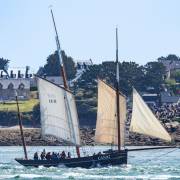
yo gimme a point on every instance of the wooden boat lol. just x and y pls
(108, 158)
(59, 118)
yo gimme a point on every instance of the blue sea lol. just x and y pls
(151, 164)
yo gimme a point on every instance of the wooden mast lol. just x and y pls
(60, 55)
(21, 129)
(117, 92)
(63, 73)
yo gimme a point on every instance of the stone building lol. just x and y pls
(14, 82)
(171, 66)
(8, 88)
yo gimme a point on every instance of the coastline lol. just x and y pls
(11, 137)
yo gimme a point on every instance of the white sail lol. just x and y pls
(144, 121)
(106, 125)
(58, 112)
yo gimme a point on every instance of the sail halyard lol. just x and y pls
(143, 121)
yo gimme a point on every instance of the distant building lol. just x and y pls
(84, 64)
(55, 79)
(151, 99)
(166, 98)
(15, 80)
(171, 100)
(170, 65)
(8, 88)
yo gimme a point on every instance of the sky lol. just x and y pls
(147, 30)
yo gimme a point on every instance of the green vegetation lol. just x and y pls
(149, 76)
(170, 57)
(170, 82)
(4, 64)
(176, 75)
(52, 67)
(24, 106)
(131, 74)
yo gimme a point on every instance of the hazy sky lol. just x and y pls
(147, 29)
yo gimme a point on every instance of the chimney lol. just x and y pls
(11, 74)
(19, 74)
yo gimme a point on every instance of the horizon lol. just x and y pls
(147, 30)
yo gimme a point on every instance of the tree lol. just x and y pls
(154, 72)
(176, 75)
(69, 66)
(36, 115)
(4, 65)
(131, 74)
(52, 67)
(170, 57)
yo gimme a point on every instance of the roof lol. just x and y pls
(148, 94)
(170, 99)
(171, 65)
(86, 62)
(15, 71)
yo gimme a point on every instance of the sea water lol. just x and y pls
(151, 164)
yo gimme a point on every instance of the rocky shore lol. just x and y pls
(11, 137)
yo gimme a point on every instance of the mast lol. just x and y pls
(117, 92)
(59, 54)
(21, 129)
(62, 66)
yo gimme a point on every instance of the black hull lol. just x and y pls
(112, 158)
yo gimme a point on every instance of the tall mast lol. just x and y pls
(59, 54)
(62, 66)
(117, 92)
(21, 129)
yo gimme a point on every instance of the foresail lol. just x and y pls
(144, 121)
(58, 112)
(106, 125)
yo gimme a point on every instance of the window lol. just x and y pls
(1, 86)
(21, 86)
(11, 86)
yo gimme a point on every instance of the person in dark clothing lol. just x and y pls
(35, 156)
(43, 155)
(63, 155)
(69, 155)
(48, 156)
(54, 156)
(99, 153)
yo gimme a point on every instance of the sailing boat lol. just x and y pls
(59, 118)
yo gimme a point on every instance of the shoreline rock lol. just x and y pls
(11, 137)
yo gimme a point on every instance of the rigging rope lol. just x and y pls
(162, 155)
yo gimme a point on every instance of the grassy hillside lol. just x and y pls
(25, 106)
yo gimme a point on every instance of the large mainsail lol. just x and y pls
(58, 112)
(144, 121)
(106, 125)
